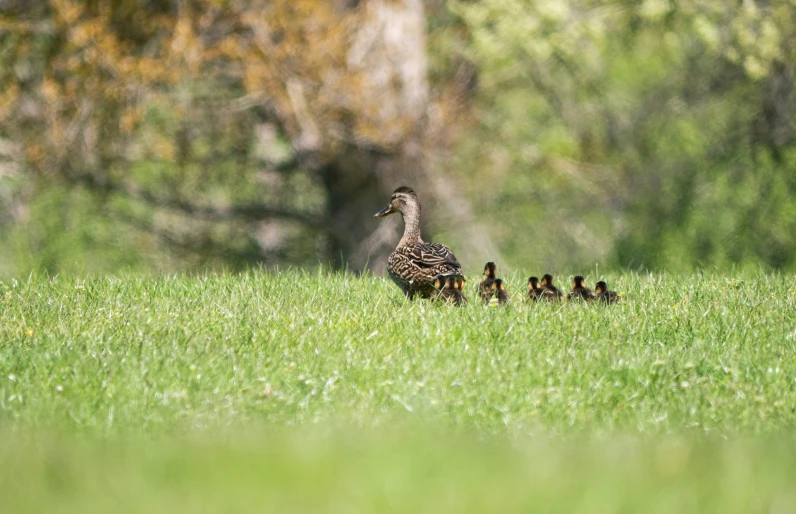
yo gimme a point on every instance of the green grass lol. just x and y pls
(504, 407)
(392, 474)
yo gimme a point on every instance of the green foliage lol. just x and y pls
(67, 231)
(648, 135)
(634, 134)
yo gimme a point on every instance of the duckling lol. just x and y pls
(535, 292)
(499, 292)
(579, 290)
(460, 281)
(439, 284)
(449, 289)
(485, 287)
(414, 263)
(602, 294)
(549, 291)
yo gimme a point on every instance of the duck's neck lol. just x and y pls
(411, 215)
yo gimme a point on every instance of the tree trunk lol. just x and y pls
(385, 133)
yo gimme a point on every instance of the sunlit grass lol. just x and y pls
(705, 354)
(591, 397)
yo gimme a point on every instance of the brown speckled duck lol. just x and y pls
(579, 290)
(602, 294)
(415, 264)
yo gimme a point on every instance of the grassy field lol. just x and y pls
(170, 391)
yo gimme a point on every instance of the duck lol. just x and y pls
(549, 291)
(458, 285)
(535, 292)
(415, 264)
(602, 294)
(499, 292)
(450, 289)
(579, 290)
(485, 287)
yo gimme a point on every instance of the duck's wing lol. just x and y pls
(552, 294)
(433, 255)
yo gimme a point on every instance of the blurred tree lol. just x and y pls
(658, 133)
(638, 133)
(256, 131)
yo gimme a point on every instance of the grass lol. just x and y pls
(519, 406)
(392, 473)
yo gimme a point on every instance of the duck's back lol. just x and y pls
(414, 267)
(608, 297)
(536, 294)
(485, 289)
(580, 293)
(453, 296)
(551, 294)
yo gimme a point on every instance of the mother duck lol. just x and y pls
(415, 264)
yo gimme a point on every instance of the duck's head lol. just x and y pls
(533, 283)
(403, 199)
(547, 280)
(600, 287)
(489, 269)
(578, 281)
(498, 285)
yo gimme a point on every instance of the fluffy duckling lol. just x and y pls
(450, 289)
(549, 291)
(499, 292)
(579, 290)
(535, 291)
(459, 285)
(485, 289)
(602, 294)
(440, 284)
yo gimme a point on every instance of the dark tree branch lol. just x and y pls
(201, 245)
(245, 212)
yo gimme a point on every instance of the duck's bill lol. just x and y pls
(384, 212)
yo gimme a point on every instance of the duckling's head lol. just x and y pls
(489, 269)
(498, 285)
(578, 281)
(600, 287)
(460, 280)
(451, 283)
(547, 280)
(439, 282)
(403, 199)
(533, 283)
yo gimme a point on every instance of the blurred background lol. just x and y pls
(182, 135)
